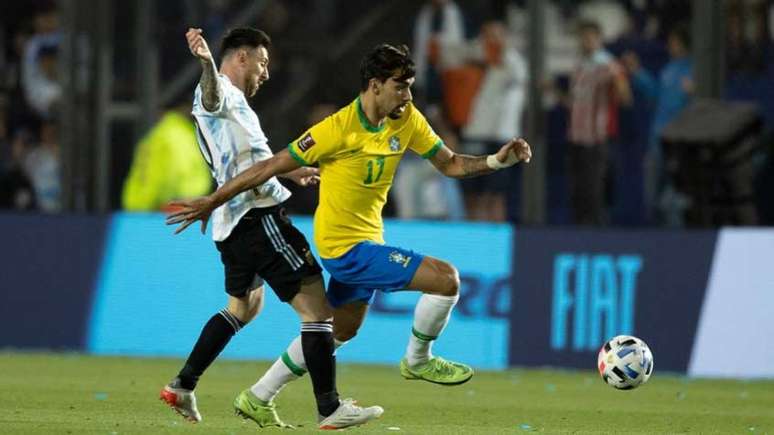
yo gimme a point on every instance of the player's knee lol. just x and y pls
(344, 333)
(343, 336)
(312, 308)
(450, 280)
(247, 307)
(255, 304)
(316, 314)
(251, 313)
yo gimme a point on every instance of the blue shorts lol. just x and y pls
(368, 267)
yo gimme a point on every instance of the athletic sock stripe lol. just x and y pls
(296, 370)
(324, 326)
(314, 326)
(422, 336)
(287, 245)
(230, 319)
(237, 322)
(326, 330)
(276, 243)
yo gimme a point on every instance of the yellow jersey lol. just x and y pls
(167, 165)
(357, 163)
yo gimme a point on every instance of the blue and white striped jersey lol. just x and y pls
(231, 140)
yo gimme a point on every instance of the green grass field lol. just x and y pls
(55, 393)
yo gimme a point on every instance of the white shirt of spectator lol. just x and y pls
(452, 32)
(41, 92)
(497, 108)
(231, 140)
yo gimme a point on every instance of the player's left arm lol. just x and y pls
(456, 165)
(199, 209)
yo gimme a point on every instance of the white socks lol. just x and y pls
(430, 317)
(288, 367)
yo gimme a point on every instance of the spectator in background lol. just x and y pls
(438, 29)
(420, 191)
(597, 85)
(628, 156)
(747, 38)
(19, 113)
(675, 87)
(167, 164)
(41, 88)
(438, 25)
(495, 118)
(675, 82)
(42, 165)
(39, 65)
(16, 191)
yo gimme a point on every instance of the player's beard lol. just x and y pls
(253, 89)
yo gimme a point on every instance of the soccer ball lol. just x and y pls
(625, 362)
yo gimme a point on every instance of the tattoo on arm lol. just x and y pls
(210, 89)
(473, 166)
(456, 165)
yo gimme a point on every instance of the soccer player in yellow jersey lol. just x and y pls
(358, 150)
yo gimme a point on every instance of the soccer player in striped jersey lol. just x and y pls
(256, 239)
(358, 150)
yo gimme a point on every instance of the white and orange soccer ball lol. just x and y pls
(625, 362)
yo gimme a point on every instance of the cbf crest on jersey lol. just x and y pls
(394, 143)
(397, 257)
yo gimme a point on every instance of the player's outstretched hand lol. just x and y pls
(198, 45)
(188, 211)
(304, 176)
(516, 150)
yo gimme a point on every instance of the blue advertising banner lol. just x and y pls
(574, 289)
(156, 291)
(48, 265)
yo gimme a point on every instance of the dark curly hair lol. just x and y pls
(385, 61)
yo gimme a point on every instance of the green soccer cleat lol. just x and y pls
(263, 413)
(437, 371)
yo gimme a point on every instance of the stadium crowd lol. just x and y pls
(617, 73)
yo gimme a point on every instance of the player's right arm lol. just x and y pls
(211, 92)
